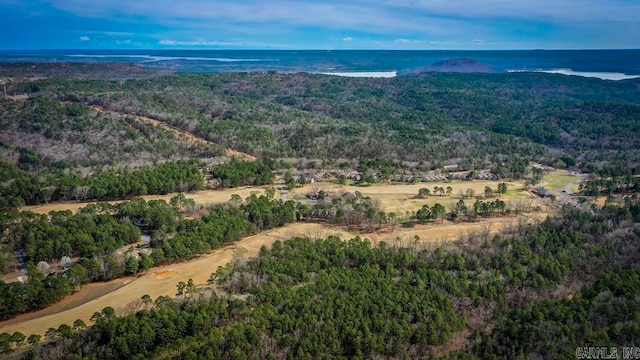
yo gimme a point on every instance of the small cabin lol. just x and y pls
(543, 192)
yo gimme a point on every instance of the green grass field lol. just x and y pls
(558, 180)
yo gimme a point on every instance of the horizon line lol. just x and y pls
(319, 49)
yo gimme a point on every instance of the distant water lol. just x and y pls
(613, 64)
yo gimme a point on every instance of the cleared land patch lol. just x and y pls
(559, 179)
(201, 197)
(402, 198)
(398, 198)
(124, 294)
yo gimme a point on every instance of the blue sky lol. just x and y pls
(315, 24)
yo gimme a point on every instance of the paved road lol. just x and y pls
(567, 195)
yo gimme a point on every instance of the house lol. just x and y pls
(433, 178)
(487, 176)
(542, 192)
(145, 227)
(320, 176)
(462, 175)
(545, 168)
(146, 251)
(354, 175)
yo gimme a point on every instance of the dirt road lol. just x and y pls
(179, 132)
(567, 195)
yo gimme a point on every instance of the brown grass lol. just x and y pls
(200, 197)
(396, 198)
(432, 234)
(122, 293)
(403, 197)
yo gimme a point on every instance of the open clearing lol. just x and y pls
(403, 198)
(559, 179)
(124, 294)
(433, 235)
(201, 197)
(398, 198)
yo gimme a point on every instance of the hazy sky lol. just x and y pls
(315, 24)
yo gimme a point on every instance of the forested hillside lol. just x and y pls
(73, 135)
(473, 119)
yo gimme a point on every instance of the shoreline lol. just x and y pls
(602, 75)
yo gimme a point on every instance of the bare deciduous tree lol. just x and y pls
(81, 193)
(470, 192)
(43, 266)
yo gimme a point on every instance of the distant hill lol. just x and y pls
(80, 70)
(453, 65)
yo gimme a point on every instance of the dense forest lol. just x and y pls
(608, 186)
(18, 71)
(539, 291)
(25, 187)
(237, 173)
(477, 120)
